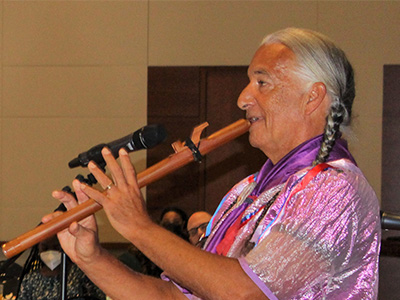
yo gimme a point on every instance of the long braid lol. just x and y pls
(331, 133)
(339, 114)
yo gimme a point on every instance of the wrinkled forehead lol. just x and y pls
(272, 59)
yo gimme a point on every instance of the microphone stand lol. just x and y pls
(63, 276)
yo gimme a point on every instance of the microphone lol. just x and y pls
(390, 221)
(143, 138)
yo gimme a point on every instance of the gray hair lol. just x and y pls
(320, 60)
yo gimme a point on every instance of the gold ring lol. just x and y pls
(108, 187)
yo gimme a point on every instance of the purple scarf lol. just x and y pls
(299, 158)
(271, 175)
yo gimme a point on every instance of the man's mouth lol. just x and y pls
(253, 119)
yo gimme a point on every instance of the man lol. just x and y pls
(197, 225)
(299, 228)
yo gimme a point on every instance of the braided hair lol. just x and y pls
(320, 60)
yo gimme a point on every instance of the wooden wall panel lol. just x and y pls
(390, 249)
(174, 101)
(181, 98)
(391, 139)
(173, 92)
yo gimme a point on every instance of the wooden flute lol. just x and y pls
(183, 155)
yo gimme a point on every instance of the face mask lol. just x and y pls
(51, 258)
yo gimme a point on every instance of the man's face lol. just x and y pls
(274, 101)
(197, 225)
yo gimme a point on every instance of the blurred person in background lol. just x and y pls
(196, 227)
(41, 276)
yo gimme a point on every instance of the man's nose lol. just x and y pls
(245, 98)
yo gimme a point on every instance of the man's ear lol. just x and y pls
(315, 97)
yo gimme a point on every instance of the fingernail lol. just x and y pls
(123, 151)
(105, 150)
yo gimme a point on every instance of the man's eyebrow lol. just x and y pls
(260, 72)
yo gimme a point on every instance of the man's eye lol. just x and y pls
(261, 82)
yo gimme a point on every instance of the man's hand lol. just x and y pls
(79, 240)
